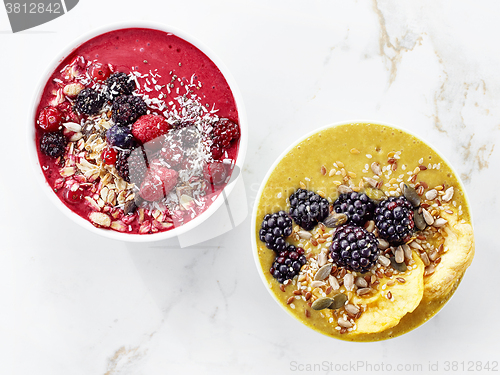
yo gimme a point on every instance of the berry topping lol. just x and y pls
(307, 208)
(288, 263)
(274, 229)
(73, 196)
(357, 207)
(53, 144)
(224, 132)
(158, 183)
(109, 156)
(89, 101)
(354, 248)
(172, 154)
(216, 152)
(99, 72)
(127, 109)
(150, 127)
(50, 119)
(132, 166)
(215, 172)
(120, 84)
(188, 136)
(394, 220)
(121, 137)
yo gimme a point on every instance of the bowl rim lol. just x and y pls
(31, 135)
(278, 160)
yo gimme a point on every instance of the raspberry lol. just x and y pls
(158, 183)
(127, 109)
(394, 220)
(216, 152)
(172, 154)
(225, 132)
(274, 229)
(357, 207)
(53, 144)
(354, 248)
(120, 84)
(288, 263)
(307, 208)
(150, 127)
(89, 101)
(215, 172)
(50, 119)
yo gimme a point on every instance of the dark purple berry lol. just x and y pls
(357, 207)
(53, 144)
(274, 229)
(127, 109)
(89, 101)
(288, 263)
(307, 208)
(394, 220)
(121, 137)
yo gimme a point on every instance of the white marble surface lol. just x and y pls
(75, 303)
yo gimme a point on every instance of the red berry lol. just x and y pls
(73, 196)
(99, 72)
(50, 118)
(215, 173)
(109, 156)
(172, 154)
(216, 152)
(158, 183)
(224, 132)
(149, 127)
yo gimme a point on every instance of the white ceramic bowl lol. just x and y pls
(111, 233)
(283, 154)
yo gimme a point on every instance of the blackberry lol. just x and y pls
(89, 101)
(354, 248)
(394, 220)
(357, 207)
(274, 229)
(288, 263)
(120, 84)
(53, 144)
(127, 109)
(121, 137)
(307, 208)
(132, 166)
(224, 132)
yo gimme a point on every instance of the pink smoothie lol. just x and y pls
(165, 67)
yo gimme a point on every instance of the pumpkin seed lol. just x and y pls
(338, 301)
(400, 267)
(322, 303)
(334, 220)
(419, 220)
(323, 272)
(412, 196)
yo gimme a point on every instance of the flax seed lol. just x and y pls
(290, 300)
(389, 295)
(308, 314)
(282, 287)
(323, 170)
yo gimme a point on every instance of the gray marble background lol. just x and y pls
(75, 303)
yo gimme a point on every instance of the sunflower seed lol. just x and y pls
(382, 244)
(361, 282)
(370, 227)
(376, 168)
(425, 258)
(363, 291)
(73, 126)
(429, 270)
(349, 281)
(440, 222)
(317, 284)
(371, 181)
(343, 189)
(399, 255)
(415, 245)
(322, 260)
(333, 282)
(323, 272)
(334, 220)
(322, 303)
(407, 251)
(433, 254)
(411, 195)
(431, 194)
(448, 194)
(338, 301)
(344, 323)
(427, 217)
(384, 261)
(351, 309)
(304, 234)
